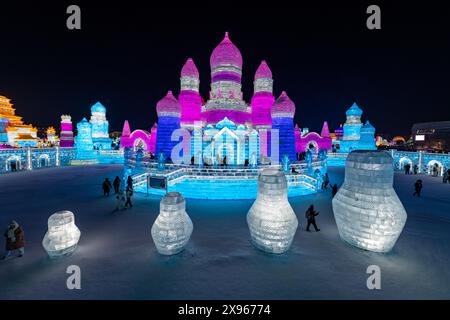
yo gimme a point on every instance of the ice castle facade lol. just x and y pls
(357, 136)
(224, 126)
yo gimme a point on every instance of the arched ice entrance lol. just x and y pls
(312, 146)
(435, 164)
(139, 144)
(43, 160)
(404, 161)
(13, 163)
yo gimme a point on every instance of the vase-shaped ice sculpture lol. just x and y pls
(271, 219)
(62, 236)
(368, 212)
(173, 227)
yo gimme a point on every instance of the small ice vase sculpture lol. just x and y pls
(173, 227)
(271, 219)
(368, 212)
(62, 236)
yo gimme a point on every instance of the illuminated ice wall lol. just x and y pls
(368, 212)
(84, 145)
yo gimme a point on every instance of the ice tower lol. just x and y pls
(189, 98)
(226, 96)
(367, 140)
(169, 112)
(66, 135)
(283, 119)
(84, 144)
(263, 98)
(100, 134)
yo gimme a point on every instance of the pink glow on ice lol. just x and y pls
(168, 104)
(191, 106)
(298, 138)
(153, 133)
(215, 116)
(325, 130)
(263, 71)
(226, 53)
(315, 138)
(262, 103)
(284, 105)
(126, 129)
(190, 69)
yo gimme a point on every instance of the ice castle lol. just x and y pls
(356, 135)
(225, 125)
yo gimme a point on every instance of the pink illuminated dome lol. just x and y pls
(226, 53)
(168, 106)
(284, 106)
(190, 69)
(263, 71)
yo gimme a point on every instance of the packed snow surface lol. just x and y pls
(118, 259)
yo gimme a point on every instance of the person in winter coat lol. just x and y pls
(418, 188)
(116, 184)
(310, 215)
(326, 181)
(416, 169)
(15, 240)
(129, 194)
(334, 190)
(130, 182)
(106, 187)
(445, 177)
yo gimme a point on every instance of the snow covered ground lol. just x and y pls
(118, 259)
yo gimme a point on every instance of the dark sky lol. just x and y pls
(128, 55)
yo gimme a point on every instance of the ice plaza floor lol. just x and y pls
(118, 259)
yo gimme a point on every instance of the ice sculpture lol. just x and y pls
(368, 212)
(173, 227)
(271, 220)
(62, 236)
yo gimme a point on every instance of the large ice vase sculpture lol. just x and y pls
(271, 219)
(368, 212)
(173, 227)
(62, 236)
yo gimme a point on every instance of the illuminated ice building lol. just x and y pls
(357, 136)
(100, 125)
(13, 132)
(225, 125)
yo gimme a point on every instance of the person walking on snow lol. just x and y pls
(129, 194)
(116, 184)
(310, 215)
(15, 240)
(130, 182)
(326, 181)
(106, 187)
(334, 190)
(418, 188)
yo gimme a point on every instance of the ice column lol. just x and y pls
(173, 227)
(368, 212)
(62, 236)
(271, 220)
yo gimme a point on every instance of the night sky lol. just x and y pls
(129, 54)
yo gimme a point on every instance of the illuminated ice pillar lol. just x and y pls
(189, 98)
(263, 99)
(271, 219)
(367, 139)
(368, 212)
(153, 135)
(197, 144)
(66, 136)
(29, 159)
(62, 236)
(283, 119)
(169, 111)
(173, 227)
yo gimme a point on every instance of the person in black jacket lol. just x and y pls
(116, 184)
(106, 187)
(334, 190)
(311, 217)
(418, 188)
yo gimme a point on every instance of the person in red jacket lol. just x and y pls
(15, 240)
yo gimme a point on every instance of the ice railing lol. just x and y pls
(175, 173)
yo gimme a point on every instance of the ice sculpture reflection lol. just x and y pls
(368, 212)
(62, 236)
(271, 219)
(173, 227)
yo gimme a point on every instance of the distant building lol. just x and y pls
(13, 131)
(432, 136)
